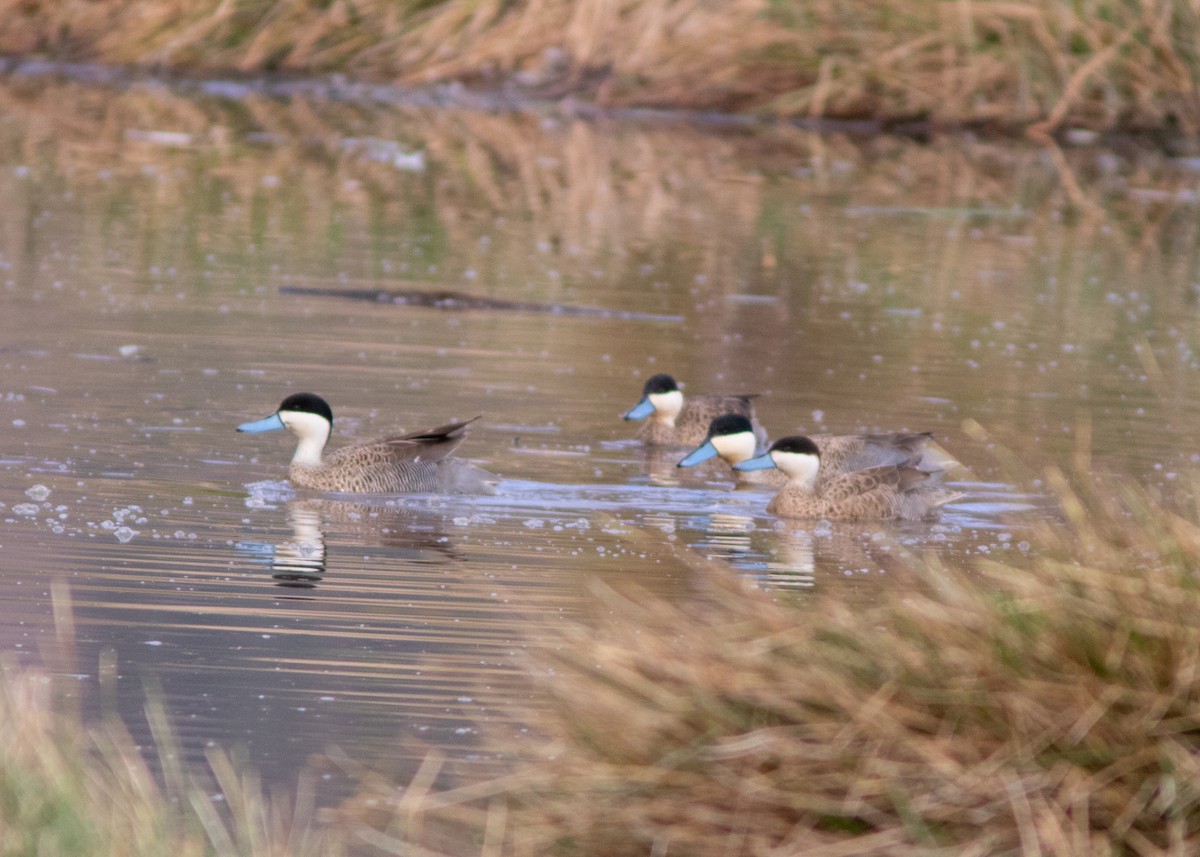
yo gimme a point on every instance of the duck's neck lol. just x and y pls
(313, 433)
(735, 448)
(802, 471)
(667, 406)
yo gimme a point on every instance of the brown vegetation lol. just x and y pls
(1047, 707)
(1040, 64)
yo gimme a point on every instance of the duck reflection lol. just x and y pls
(799, 554)
(849, 555)
(729, 535)
(659, 462)
(794, 563)
(302, 561)
(789, 562)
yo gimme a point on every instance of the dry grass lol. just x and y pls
(1035, 63)
(1052, 709)
(67, 789)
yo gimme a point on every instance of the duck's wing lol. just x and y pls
(741, 403)
(846, 453)
(432, 444)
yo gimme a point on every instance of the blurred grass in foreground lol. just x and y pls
(66, 789)
(1100, 64)
(1050, 707)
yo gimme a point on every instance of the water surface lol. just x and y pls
(151, 245)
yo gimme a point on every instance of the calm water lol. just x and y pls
(148, 239)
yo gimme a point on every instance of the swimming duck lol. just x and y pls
(415, 462)
(732, 438)
(891, 491)
(676, 422)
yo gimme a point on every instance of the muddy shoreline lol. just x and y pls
(512, 98)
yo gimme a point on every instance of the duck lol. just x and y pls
(675, 421)
(417, 462)
(731, 437)
(877, 493)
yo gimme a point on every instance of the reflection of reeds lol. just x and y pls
(541, 206)
(588, 191)
(1046, 706)
(1101, 64)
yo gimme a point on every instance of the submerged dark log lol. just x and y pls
(446, 299)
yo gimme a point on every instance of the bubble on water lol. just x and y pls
(28, 509)
(533, 523)
(125, 534)
(37, 492)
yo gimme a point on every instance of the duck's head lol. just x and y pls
(731, 436)
(796, 455)
(307, 416)
(661, 397)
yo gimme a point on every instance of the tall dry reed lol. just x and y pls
(1038, 64)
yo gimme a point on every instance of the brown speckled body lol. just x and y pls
(691, 426)
(412, 463)
(879, 493)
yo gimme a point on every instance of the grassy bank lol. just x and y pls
(1032, 64)
(1049, 707)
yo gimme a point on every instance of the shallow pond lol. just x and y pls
(176, 260)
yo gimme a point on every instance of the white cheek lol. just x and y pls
(799, 467)
(735, 447)
(667, 405)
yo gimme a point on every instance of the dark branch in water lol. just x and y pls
(446, 299)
